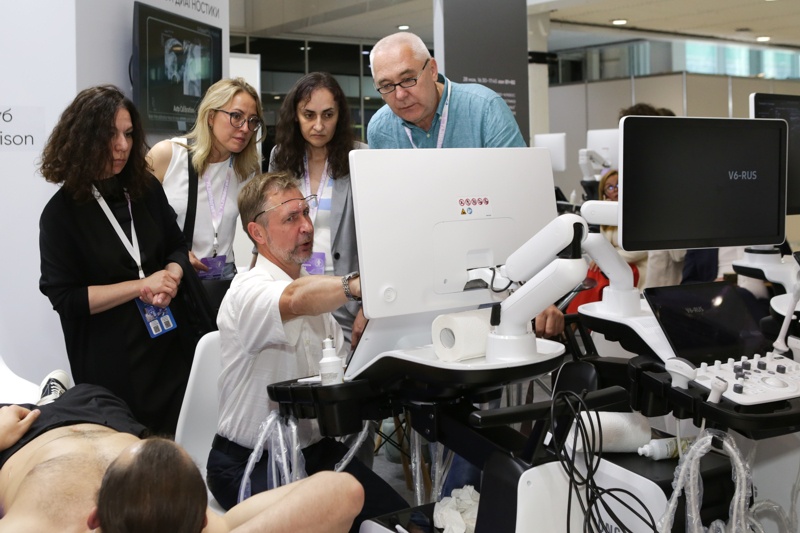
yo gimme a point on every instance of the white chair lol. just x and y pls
(14, 389)
(197, 422)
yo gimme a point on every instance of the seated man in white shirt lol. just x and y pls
(272, 323)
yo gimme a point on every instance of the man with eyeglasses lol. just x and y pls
(426, 110)
(272, 324)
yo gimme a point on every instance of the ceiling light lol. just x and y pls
(403, 27)
(763, 38)
(304, 48)
(367, 98)
(277, 97)
(619, 22)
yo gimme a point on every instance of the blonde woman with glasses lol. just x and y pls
(211, 164)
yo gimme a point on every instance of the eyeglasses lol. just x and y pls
(309, 202)
(611, 188)
(237, 119)
(405, 84)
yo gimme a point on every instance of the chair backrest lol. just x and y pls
(197, 422)
(14, 389)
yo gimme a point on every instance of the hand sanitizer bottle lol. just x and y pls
(330, 366)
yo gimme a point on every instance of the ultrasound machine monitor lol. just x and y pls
(606, 143)
(701, 182)
(704, 322)
(425, 218)
(557, 144)
(786, 107)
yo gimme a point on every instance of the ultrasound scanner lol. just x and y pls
(442, 238)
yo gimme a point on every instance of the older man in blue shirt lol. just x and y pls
(426, 110)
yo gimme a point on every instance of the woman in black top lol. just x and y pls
(112, 259)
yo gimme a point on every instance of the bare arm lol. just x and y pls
(105, 297)
(15, 421)
(314, 295)
(325, 502)
(159, 157)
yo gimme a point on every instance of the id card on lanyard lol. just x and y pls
(442, 122)
(157, 320)
(316, 263)
(216, 263)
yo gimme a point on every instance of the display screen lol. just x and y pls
(706, 321)
(701, 182)
(175, 59)
(787, 107)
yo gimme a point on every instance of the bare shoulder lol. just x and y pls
(23, 524)
(159, 158)
(215, 523)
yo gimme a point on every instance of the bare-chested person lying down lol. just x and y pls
(79, 464)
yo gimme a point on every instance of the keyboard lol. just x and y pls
(754, 380)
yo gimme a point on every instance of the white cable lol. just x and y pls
(255, 455)
(740, 519)
(362, 436)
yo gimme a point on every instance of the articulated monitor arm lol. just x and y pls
(551, 262)
(592, 163)
(620, 298)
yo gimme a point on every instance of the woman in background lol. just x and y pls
(313, 139)
(112, 259)
(224, 155)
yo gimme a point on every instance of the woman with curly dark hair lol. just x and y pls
(112, 258)
(313, 137)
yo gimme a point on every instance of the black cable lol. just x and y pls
(491, 283)
(595, 499)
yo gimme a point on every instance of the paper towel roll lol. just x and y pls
(459, 336)
(622, 432)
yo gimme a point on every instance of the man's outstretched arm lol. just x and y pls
(326, 502)
(15, 421)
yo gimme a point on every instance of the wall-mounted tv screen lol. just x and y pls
(787, 107)
(701, 182)
(175, 59)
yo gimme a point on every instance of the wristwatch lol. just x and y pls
(346, 285)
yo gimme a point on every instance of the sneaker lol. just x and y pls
(54, 385)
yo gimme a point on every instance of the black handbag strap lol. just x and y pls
(191, 206)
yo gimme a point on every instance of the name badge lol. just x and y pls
(316, 263)
(216, 266)
(158, 320)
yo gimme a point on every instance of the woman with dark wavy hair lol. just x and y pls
(112, 258)
(313, 137)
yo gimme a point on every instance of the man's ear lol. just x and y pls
(257, 232)
(93, 522)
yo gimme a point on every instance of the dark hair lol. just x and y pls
(291, 146)
(78, 148)
(155, 489)
(640, 110)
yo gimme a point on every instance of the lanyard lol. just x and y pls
(132, 245)
(442, 122)
(216, 214)
(307, 185)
